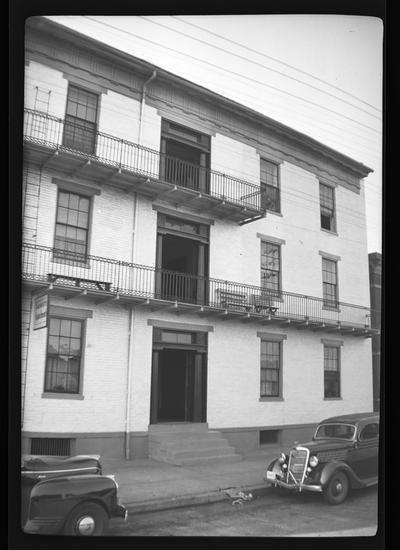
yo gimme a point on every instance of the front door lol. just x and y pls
(178, 387)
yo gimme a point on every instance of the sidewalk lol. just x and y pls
(147, 485)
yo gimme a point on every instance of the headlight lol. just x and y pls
(282, 458)
(313, 462)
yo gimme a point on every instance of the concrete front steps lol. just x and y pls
(186, 444)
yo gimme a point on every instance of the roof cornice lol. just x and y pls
(144, 68)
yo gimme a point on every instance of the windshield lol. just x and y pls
(335, 431)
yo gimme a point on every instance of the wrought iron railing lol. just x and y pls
(58, 134)
(44, 264)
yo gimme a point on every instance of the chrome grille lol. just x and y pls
(298, 460)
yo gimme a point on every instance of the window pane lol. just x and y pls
(53, 344)
(83, 204)
(63, 199)
(72, 217)
(73, 201)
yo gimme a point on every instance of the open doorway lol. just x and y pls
(175, 386)
(180, 256)
(179, 376)
(181, 260)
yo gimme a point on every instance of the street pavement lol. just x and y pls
(146, 485)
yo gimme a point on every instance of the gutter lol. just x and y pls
(132, 310)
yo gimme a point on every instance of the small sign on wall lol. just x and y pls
(41, 308)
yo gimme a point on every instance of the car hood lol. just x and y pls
(316, 446)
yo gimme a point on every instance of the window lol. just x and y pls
(270, 267)
(185, 156)
(72, 226)
(331, 371)
(371, 431)
(63, 363)
(327, 205)
(270, 191)
(270, 385)
(80, 120)
(329, 283)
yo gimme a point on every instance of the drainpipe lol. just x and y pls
(153, 76)
(132, 310)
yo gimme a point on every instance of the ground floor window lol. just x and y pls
(331, 371)
(63, 361)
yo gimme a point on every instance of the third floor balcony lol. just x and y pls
(75, 150)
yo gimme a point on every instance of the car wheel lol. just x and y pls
(337, 489)
(88, 519)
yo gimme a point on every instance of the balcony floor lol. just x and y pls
(75, 164)
(142, 303)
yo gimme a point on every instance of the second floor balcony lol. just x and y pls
(77, 150)
(146, 287)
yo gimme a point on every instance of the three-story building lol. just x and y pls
(186, 261)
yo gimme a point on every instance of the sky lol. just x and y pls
(319, 74)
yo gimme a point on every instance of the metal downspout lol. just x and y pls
(132, 310)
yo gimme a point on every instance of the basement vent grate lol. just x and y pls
(54, 446)
(269, 436)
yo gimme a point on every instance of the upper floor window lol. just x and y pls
(63, 362)
(271, 267)
(185, 156)
(331, 371)
(269, 177)
(270, 381)
(72, 226)
(81, 120)
(327, 207)
(329, 283)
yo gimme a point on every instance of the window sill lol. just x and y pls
(333, 398)
(56, 395)
(334, 233)
(265, 398)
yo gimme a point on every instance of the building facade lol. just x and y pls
(375, 280)
(185, 261)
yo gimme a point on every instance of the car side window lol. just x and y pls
(370, 431)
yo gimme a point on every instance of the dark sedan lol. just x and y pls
(67, 495)
(342, 455)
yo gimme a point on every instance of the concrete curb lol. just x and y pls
(191, 500)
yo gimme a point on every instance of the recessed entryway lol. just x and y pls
(179, 376)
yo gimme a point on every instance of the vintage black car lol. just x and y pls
(67, 495)
(342, 455)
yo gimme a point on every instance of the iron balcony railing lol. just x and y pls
(86, 142)
(48, 265)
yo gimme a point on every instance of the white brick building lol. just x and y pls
(197, 262)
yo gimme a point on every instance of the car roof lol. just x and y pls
(352, 418)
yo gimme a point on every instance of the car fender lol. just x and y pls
(331, 467)
(52, 500)
(275, 466)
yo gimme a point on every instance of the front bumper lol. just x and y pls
(119, 511)
(272, 478)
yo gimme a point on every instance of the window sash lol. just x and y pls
(331, 371)
(270, 266)
(63, 360)
(269, 183)
(270, 369)
(72, 226)
(329, 283)
(327, 207)
(80, 126)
